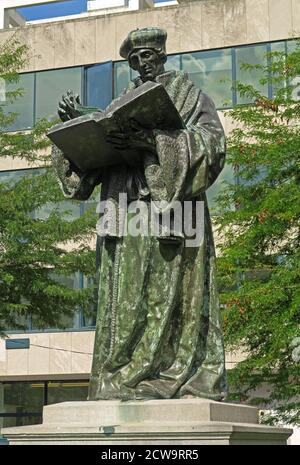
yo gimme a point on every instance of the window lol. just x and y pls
(65, 321)
(98, 82)
(252, 55)
(79, 319)
(226, 175)
(65, 391)
(72, 210)
(13, 176)
(173, 62)
(123, 74)
(122, 77)
(21, 403)
(23, 106)
(212, 72)
(51, 85)
(291, 46)
(88, 317)
(275, 86)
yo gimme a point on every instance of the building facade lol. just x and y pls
(208, 39)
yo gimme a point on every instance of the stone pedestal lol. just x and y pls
(156, 422)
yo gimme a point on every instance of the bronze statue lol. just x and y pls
(158, 330)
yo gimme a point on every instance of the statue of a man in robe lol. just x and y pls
(158, 332)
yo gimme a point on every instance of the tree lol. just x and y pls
(260, 254)
(37, 250)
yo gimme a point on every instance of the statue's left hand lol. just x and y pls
(67, 107)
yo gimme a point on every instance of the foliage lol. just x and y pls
(260, 255)
(37, 249)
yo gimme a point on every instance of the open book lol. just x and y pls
(83, 139)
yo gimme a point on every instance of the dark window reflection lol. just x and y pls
(51, 85)
(252, 55)
(21, 403)
(211, 72)
(99, 85)
(67, 391)
(23, 105)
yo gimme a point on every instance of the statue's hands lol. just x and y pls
(68, 106)
(91, 177)
(135, 138)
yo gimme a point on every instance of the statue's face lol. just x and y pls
(147, 62)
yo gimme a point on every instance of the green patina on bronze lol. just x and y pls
(158, 330)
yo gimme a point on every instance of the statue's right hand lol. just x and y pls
(67, 107)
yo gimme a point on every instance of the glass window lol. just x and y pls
(123, 74)
(66, 391)
(121, 77)
(65, 321)
(21, 403)
(23, 105)
(99, 85)
(253, 55)
(291, 47)
(70, 210)
(226, 175)
(93, 201)
(51, 85)
(88, 317)
(16, 323)
(173, 62)
(212, 72)
(279, 47)
(12, 177)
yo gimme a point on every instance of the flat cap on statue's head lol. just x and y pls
(148, 37)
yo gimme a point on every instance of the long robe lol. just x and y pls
(158, 328)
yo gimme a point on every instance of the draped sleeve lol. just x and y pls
(188, 160)
(74, 185)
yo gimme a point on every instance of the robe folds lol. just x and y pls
(158, 329)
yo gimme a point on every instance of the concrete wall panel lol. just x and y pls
(44, 48)
(191, 27)
(85, 42)
(64, 44)
(212, 24)
(82, 352)
(257, 17)
(296, 17)
(235, 25)
(172, 22)
(60, 352)
(17, 362)
(280, 19)
(39, 354)
(105, 39)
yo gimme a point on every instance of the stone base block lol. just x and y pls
(164, 422)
